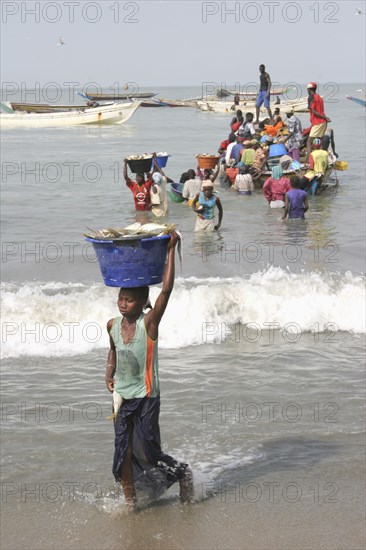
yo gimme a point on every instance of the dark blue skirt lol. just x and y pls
(153, 470)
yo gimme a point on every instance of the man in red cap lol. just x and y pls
(317, 116)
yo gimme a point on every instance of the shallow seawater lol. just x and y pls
(261, 350)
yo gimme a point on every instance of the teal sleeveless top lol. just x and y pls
(137, 371)
(208, 206)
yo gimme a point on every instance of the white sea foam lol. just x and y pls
(57, 319)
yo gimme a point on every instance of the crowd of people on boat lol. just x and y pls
(275, 150)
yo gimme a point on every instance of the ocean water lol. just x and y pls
(262, 348)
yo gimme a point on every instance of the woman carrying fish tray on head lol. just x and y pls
(132, 376)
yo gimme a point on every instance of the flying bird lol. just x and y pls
(61, 41)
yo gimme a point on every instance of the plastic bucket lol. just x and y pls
(176, 192)
(162, 161)
(277, 150)
(132, 263)
(140, 166)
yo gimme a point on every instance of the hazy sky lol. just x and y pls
(161, 43)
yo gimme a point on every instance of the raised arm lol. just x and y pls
(199, 173)
(154, 163)
(125, 175)
(111, 362)
(216, 173)
(158, 168)
(153, 318)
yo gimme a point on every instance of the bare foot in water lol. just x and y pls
(130, 506)
(186, 490)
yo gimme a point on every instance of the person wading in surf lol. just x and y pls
(132, 372)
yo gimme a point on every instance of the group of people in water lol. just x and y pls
(245, 159)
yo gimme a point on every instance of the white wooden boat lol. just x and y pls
(296, 105)
(103, 114)
(121, 96)
(278, 91)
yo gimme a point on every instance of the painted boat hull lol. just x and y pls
(357, 100)
(109, 114)
(329, 179)
(45, 108)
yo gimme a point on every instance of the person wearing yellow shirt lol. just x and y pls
(318, 164)
(247, 157)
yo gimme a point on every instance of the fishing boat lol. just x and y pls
(279, 91)
(329, 179)
(179, 102)
(64, 116)
(357, 100)
(221, 92)
(162, 102)
(153, 103)
(45, 108)
(119, 97)
(295, 105)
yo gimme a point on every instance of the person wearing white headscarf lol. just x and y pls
(158, 197)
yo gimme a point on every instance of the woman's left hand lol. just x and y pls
(174, 239)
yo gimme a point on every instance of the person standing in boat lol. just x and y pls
(264, 94)
(204, 205)
(318, 118)
(139, 188)
(294, 139)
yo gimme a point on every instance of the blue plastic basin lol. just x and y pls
(277, 150)
(135, 263)
(162, 161)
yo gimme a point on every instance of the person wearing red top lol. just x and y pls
(140, 188)
(235, 120)
(318, 118)
(231, 171)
